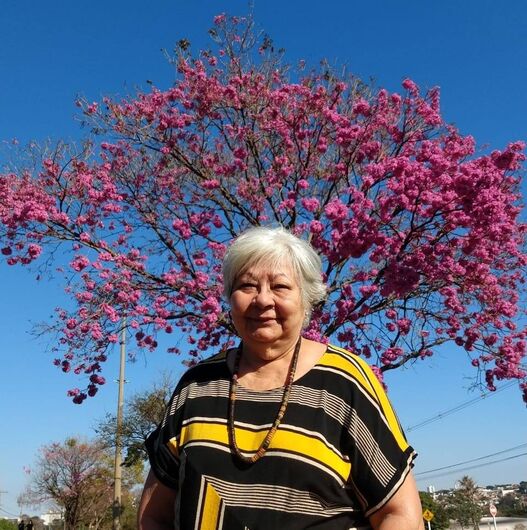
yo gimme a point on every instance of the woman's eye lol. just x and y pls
(247, 286)
(281, 286)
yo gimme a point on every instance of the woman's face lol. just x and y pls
(266, 305)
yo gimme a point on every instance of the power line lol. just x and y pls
(451, 472)
(457, 408)
(9, 513)
(473, 459)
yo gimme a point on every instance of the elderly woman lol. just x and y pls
(281, 432)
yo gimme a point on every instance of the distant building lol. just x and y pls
(502, 491)
(432, 491)
(50, 516)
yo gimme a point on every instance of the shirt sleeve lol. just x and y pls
(162, 445)
(380, 455)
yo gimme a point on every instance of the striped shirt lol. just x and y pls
(338, 456)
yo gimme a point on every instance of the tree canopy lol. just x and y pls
(419, 232)
(440, 520)
(77, 476)
(465, 504)
(143, 412)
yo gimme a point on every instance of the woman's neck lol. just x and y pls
(263, 367)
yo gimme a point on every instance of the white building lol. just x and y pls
(50, 516)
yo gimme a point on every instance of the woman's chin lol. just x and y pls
(264, 336)
(266, 333)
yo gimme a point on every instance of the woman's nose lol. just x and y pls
(264, 297)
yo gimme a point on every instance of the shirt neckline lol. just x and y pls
(278, 388)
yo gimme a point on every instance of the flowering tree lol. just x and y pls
(78, 477)
(419, 235)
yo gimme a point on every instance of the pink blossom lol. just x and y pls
(310, 204)
(97, 379)
(368, 290)
(322, 145)
(210, 304)
(34, 250)
(79, 398)
(378, 374)
(219, 19)
(316, 227)
(211, 184)
(182, 227)
(361, 107)
(336, 210)
(420, 234)
(404, 325)
(92, 108)
(391, 314)
(79, 263)
(84, 296)
(409, 85)
(303, 184)
(110, 312)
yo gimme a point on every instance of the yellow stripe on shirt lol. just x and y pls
(284, 440)
(212, 507)
(360, 370)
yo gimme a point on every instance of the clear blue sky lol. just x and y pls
(52, 51)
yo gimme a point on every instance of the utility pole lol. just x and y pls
(120, 401)
(1, 493)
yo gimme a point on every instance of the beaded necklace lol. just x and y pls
(283, 405)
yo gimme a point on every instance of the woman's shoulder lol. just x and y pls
(216, 358)
(351, 366)
(206, 371)
(342, 353)
(213, 364)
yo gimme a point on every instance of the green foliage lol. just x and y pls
(142, 413)
(6, 524)
(463, 506)
(512, 505)
(440, 520)
(129, 513)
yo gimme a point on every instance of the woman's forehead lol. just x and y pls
(268, 270)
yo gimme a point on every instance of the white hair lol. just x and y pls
(273, 247)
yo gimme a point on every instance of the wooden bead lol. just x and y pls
(281, 411)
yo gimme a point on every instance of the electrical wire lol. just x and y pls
(457, 408)
(8, 513)
(451, 472)
(474, 459)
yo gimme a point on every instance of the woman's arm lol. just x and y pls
(156, 509)
(402, 512)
